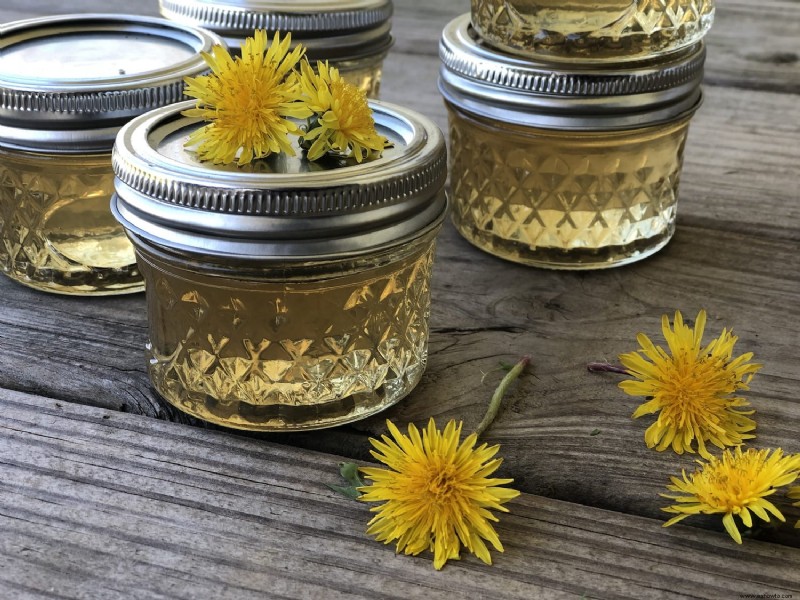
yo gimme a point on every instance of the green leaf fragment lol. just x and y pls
(346, 491)
(349, 471)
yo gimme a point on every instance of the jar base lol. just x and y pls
(572, 259)
(591, 32)
(97, 282)
(236, 414)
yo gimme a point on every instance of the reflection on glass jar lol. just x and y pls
(279, 348)
(565, 199)
(365, 74)
(592, 30)
(58, 233)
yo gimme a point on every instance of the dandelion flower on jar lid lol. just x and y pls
(342, 122)
(691, 387)
(247, 101)
(736, 484)
(436, 493)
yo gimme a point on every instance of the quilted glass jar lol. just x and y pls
(565, 168)
(592, 30)
(353, 35)
(285, 294)
(67, 84)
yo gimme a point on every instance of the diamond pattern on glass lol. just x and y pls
(592, 29)
(560, 199)
(270, 356)
(57, 232)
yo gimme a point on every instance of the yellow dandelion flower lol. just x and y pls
(247, 101)
(342, 121)
(436, 493)
(736, 484)
(691, 388)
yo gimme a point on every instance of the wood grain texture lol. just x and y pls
(93, 500)
(96, 504)
(562, 320)
(735, 253)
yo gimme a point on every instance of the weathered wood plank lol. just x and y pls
(562, 320)
(755, 45)
(735, 254)
(100, 504)
(88, 352)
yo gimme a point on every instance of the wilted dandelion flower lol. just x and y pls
(436, 494)
(247, 101)
(734, 485)
(342, 122)
(691, 387)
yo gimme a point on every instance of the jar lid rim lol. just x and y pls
(285, 202)
(45, 108)
(304, 17)
(463, 52)
(473, 70)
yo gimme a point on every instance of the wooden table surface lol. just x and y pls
(108, 492)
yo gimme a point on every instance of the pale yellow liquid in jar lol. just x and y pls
(590, 29)
(366, 78)
(332, 344)
(56, 227)
(364, 73)
(565, 200)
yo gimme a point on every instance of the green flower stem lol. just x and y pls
(601, 367)
(497, 397)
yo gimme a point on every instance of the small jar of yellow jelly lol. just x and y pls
(563, 166)
(67, 85)
(284, 294)
(353, 35)
(592, 30)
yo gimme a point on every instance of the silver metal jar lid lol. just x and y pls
(483, 81)
(68, 83)
(329, 29)
(279, 207)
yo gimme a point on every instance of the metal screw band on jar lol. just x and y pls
(332, 30)
(282, 206)
(67, 85)
(296, 17)
(479, 79)
(80, 105)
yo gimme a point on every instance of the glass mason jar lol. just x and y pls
(67, 84)
(592, 30)
(565, 169)
(283, 295)
(353, 35)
